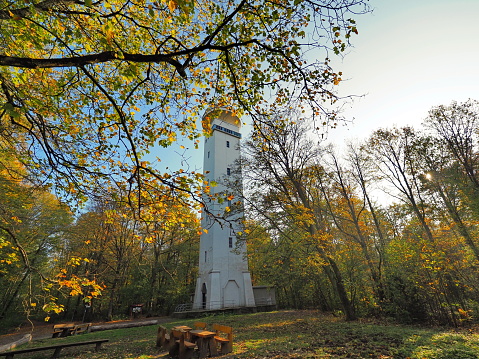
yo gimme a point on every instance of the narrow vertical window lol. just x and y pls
(228, 171)
(206, 255)
(228, 144)
(208, 154)
(230, 243)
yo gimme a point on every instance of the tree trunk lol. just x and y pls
(97, 328)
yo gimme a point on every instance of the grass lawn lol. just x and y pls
(289, 334)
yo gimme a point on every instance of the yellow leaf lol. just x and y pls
(171, 5)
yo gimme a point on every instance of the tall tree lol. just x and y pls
(448, 187)
(95, 85)
(109, 234)
(393, 152)
(32, 228)
(456, 128)
(170, 254)
(282, 162)
(457, 125)
(399, 157)
(351, 217)
(363, 175)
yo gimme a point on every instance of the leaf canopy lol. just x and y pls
(93, 87)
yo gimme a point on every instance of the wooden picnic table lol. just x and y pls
(62, 330)
(182, 327)
(205, 340)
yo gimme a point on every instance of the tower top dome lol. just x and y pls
(222, 115)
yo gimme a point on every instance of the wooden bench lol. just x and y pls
(179, 346)
(57, 348)
(226, 344)
(200, 325)
(163, 338)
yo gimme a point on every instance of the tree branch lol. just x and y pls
(78, 61)
(45, 5)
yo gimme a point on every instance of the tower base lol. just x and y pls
(213, 293)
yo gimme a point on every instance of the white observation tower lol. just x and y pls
(224, 280)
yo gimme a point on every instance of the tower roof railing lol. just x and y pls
(226, 130)
(211, 305)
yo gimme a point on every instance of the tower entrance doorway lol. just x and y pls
(231, 294)
(203, 296)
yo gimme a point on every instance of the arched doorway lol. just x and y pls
(203, 296)
(231, 295)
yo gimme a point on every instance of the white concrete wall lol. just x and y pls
(224, 270)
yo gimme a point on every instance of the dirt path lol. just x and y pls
(41, 330)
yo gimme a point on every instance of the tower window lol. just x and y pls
(228, 171)
(228, 144)
(206, 253)
(230, 242)
(208, 154)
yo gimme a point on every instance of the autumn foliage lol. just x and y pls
(392, 221)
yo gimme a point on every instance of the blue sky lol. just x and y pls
(409, 56)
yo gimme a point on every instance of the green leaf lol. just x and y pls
(11, 110)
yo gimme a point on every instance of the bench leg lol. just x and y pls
(213, 349)
(174, 348)
(97, 347)
(185, 353)
(56, 354)
(226, 347)
(202, 347)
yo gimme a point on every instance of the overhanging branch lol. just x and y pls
(78, 61)
(46, 5)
